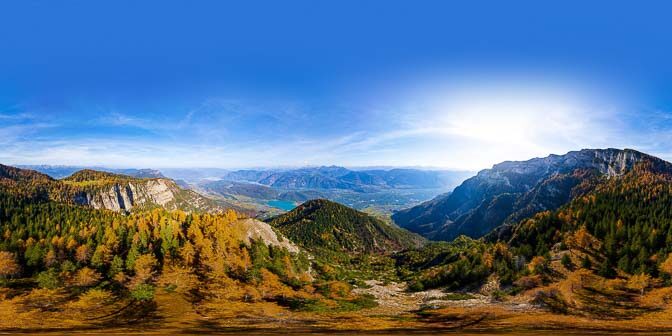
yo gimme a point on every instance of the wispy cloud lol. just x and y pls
(463, 132)
(118, 119)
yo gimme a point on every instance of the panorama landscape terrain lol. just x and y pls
(577, 241)
(302, 167)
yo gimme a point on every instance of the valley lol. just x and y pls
(269, 192)
(375, 190)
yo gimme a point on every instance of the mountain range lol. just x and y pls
(514, 190)
(59, 172)
(376, 190)
(334, 177)
(381, 189)
(587, 233)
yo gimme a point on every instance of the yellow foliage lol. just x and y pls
(338, 289)
(183, 278)
(8, 264)
(50, 258)
(85, 277)
(270, 285)
(144, 268)
(93, 298)
(535, 264)
(639, 282)
(666, 266)
(82, 253)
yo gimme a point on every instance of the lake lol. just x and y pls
(283, 205)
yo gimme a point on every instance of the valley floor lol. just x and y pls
(398, 312)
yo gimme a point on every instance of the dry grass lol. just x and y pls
(175, 311)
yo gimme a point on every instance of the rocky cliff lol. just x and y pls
(104, 190)
(126, 195)
(512, 190)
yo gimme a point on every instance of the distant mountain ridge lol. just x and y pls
(59, 172)
(334, 177)
(514, 190)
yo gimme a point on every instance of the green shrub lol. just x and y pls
(566, 261)
(458, 296)
(48, 279)
(143, 292)
(68, 266)
(585, 263)
(498, 295)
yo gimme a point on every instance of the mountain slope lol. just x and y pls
(513, 190)
(625, 223)
(321, 224)
(104, 190)
(621, 228)
(25, 182)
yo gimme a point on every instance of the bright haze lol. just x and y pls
(354, 83)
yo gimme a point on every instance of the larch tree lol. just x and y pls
(8, 264)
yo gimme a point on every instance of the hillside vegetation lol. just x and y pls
(605, 254)
(611, 242)
(75, 258)
(515, 190)
(324, 225)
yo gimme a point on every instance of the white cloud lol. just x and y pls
(462, 128)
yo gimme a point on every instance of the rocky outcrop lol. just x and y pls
(126, 196)
(513, 189)
(258, 230)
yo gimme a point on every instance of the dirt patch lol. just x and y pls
(394, 298)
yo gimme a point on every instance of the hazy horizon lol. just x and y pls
(279, 168)
(289, 167)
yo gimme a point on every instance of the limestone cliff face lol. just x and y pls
(127, 195)
(610, 162)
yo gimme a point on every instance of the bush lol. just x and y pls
(529, 282)
(416, 286)
(363, 301)
(551, 299)
(317, 305)
(68, 266)
(143, 292)
(585, 263)
(498, 296)
(566, 261)
(48, 279)
(458, 296)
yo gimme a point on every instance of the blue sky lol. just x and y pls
(459, 85)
